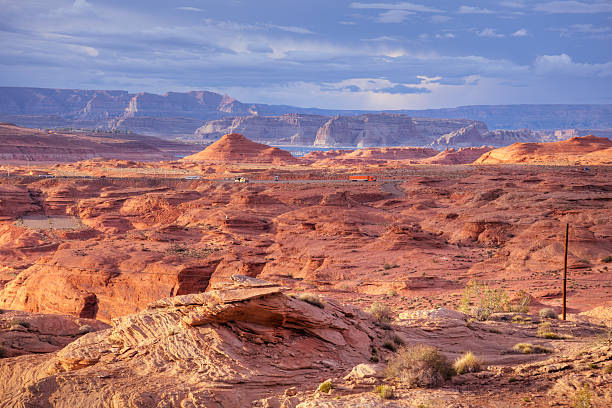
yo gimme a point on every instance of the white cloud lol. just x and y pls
(439, 19)
(512, 4)
(82, 49)
(563, 64)
(395, 6)
(489, 33)
(197, 10)
(290, 29)
(520, 33)
(445, 35)
(394, 16)
(574, 7)
(473, 10)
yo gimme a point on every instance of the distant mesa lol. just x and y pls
(577, 150)
(234, 147)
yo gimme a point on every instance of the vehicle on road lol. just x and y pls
(241, 180)
(362, 178)
(192, 177)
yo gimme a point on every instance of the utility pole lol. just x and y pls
(565, 270)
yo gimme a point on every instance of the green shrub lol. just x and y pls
(467, 363)
(608, 368)
(381, 313)
(526, 348)
(546, 331)
(480, 301)
(385, 391)
(582, 398)
(547, 313)
(313, 299)
(326, 386)
(389, 345)
(419, 365)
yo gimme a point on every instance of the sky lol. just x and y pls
(335, 54)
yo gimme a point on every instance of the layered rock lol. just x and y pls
(475, 135)
(34, 145)
(464, 155)
(577, 150)
(229, 346)
(294, 129)
(234, 147)
(370, 130)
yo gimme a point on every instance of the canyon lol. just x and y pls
(147, 280)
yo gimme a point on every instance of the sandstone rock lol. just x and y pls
(237, 148)
(442, 313)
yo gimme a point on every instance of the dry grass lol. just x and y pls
(546, 331)
(527, 348)
(381, 312)
(547, 313)
(467, 363)
(313, 300)
(419, 365)
(385, 391)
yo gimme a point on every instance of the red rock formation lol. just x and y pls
(465, 155)
(577, 150)
(235, 148)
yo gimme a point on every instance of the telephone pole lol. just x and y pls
(565, 270)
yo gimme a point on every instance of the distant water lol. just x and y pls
(299, 151)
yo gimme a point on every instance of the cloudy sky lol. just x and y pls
(323, 53)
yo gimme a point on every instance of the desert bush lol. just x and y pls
(467, 363)
(381, 312)
(385, 391)
(521, 304)
(2, 352)
(480, 301)
(546, 331)
(582, 398)
(608, 368)
(326, 386)
(419, 365)
(607, 259)
(22, 323)
(527, 348)
(389, 345)
(313, 299)
(547, 313)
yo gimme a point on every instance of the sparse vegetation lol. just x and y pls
(480, 301)
(607, 259)
(521, 304)
(467, 363)
(419, 365)
(313, 300)
(527, 348)
(326, 386)
(22, 323)
(2, 352)
(582, 398)
(381, 312)
(191, 252)
(547, 313)
(608, 368)
(385, 391)
(388, 266)
(389, 345)
(546, 331)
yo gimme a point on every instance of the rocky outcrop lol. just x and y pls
(226, 347)
(293, 129)
(433, 129)
(236, 148)
(475, 135)
(464, 155)
(577, 150)
(27, 333)
(370, 130)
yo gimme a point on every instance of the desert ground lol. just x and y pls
(160, 283)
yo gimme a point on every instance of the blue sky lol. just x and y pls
(322, 53)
